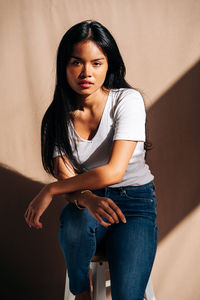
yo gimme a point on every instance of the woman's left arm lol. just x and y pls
(97, 178)
(100, 177)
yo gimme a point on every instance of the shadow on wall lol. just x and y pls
(173, 123)
(32, 265)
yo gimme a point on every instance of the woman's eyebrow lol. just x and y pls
(100, 58)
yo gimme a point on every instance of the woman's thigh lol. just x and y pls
(131, 247)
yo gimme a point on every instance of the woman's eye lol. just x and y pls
(97, 64)
(75, 62)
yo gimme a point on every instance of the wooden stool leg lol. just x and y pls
(99, 280)
(68, 295)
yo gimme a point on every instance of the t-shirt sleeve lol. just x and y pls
(56, 152)
(130, 117)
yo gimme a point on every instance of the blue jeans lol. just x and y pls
(130, 247)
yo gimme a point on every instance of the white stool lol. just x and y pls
(99, 265)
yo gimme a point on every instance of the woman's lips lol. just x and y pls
(85, 84)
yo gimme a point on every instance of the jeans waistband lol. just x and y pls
(145, 186)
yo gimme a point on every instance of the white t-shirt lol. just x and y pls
(123, 118)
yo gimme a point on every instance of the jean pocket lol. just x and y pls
(142, 197)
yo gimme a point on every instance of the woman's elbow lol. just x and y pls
(118, 177)
(115, 177)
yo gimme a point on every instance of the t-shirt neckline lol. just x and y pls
(100, 122)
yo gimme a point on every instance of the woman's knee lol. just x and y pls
(75, 226)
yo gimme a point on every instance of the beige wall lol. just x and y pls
(160, 44)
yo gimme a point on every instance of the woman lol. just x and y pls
(93, 142)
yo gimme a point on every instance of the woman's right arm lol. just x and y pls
(97, 206)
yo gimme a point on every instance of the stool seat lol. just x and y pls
(100, 253)
(99, 258)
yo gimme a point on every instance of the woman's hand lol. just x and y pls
(37, 206)
(103, 207)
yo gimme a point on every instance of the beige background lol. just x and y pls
(160, 44)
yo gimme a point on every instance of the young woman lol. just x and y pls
(94, 143)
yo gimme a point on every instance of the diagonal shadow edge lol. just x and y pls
(173, 129)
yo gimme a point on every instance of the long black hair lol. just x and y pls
(54, 129)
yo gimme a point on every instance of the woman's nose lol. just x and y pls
(86, 71)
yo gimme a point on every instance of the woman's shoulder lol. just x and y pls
(124, 92)
(126, 101)
(121, 94)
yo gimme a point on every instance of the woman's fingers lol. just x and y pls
(105, 204)
(101, 221)
(37, 206)
(115, 211)
(32, 218)
(103, 213)
(109, 210)
(37, 223)
(27, 216)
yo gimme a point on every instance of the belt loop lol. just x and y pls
(122, 190)
(105, 191)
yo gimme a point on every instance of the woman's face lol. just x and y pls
(87, 68)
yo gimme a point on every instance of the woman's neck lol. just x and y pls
(92, 101)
